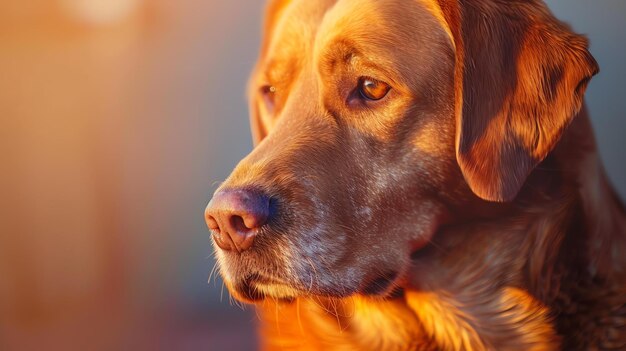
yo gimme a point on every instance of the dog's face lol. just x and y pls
(355, 105)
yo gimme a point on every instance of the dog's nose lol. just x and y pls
(234, 217)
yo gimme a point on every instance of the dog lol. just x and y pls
(424, 178)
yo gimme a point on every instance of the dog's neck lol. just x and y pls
(570, 179)
(495, 282)
(579, 164)
(604, 211)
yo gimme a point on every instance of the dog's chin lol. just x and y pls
(254, 289)
(278, 291)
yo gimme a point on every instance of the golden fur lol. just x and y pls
(467, 210)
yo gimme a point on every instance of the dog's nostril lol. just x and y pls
(239, 224)
(235, 215)
(212, 223)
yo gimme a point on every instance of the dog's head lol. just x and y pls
(374, 118)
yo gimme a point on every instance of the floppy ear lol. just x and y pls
(273, 11)
(520, 78)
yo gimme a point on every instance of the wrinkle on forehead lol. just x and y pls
(306, 29)
(395, 34)
(353, 25)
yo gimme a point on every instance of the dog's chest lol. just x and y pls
(355, 323)
(387, 325)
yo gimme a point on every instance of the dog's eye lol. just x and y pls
(268, 92)
(373, 89)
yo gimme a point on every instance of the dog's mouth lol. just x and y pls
(381, 284)
(256, 287)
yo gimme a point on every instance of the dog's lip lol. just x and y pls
(259, 278)
(256, 287)
(265, 284)
(381, 284)
(258, 284)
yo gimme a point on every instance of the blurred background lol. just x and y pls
(117, 120)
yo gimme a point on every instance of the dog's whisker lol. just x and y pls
(222, 292)
(256, 310)
(313, 276)
(276, 317)
(212, 273)
(239, 304)
(298, 316)
(217, 182)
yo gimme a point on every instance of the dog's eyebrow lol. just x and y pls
(280, 67)
(276, 71)
(356, 54)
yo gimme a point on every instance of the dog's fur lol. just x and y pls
(466, 210)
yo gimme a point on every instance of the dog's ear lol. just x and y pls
(273, 12)
(520, 77)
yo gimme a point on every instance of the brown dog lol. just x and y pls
(425, 179)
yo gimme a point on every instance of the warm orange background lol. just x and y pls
(117, 119)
